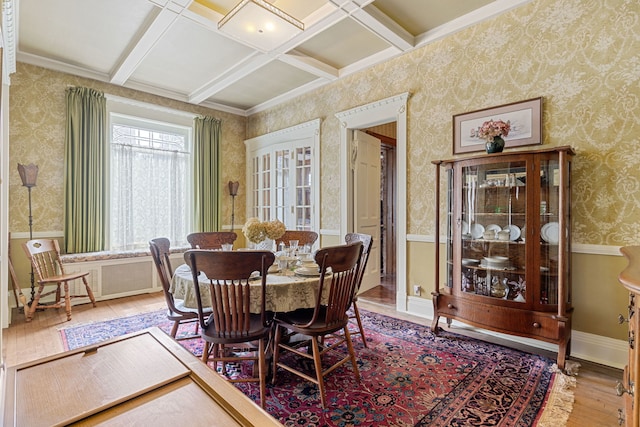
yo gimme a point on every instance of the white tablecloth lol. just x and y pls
(283, 293)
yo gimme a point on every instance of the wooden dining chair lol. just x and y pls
(303, 237)
(367, 242)
(176, 311)
(325, 320)
(231, 322)
(44, 255)
(211, 239)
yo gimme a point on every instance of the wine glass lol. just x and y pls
(283, 263)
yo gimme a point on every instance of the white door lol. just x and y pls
(283, 184)
(366, 196)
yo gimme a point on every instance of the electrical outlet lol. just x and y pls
(416, 289)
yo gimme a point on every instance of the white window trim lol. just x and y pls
(139, 111)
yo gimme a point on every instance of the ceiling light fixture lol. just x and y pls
(260, 24)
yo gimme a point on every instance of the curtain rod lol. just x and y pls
(148, 105)
(129, 101)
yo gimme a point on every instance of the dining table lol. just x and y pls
(286, 291)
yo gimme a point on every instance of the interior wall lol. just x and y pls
(580, 57)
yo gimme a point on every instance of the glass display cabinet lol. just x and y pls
(508, 244)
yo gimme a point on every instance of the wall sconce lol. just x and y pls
(233, 192)
(29, 175)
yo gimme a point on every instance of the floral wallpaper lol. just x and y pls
(581, 56)
(37, 129)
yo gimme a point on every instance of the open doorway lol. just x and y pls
(385, 292)
(392, 109)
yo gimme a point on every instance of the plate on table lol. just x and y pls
(308, 272)
(550, 232)
(470, 261)
(309, 263)
(514, 230)
(477, 230)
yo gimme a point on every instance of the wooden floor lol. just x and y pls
(596, 403)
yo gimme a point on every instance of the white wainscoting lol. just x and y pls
(116, 277)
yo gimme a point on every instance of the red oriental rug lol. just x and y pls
(409, 378)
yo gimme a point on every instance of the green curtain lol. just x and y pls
(85, 170)
(206, 174)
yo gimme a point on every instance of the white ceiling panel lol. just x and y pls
(357, 42)
(430, 14)
(88, 33)
(187, 56)
(266, 83)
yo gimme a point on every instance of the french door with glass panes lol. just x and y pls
(283, 184)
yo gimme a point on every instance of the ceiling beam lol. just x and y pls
(310, 65)
(162, 22)
(233, 74)
(385, 28)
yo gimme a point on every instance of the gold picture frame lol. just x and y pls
(525, 118)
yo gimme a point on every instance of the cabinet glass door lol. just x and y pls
(450, 227)
(549, 230)
(492, 230)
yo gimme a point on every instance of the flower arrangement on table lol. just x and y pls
(257, 231)
(493, 132)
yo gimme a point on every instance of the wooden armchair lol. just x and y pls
(367, 242)
(323, 321)
(211, 239)
(45, 258)
(231, 322)
(303, 237)
(176, 311)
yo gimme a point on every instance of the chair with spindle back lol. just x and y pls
(44, 255)
(176, 311)
(303, 237)
(367, 242)
(231, 322)
(211, 239)
(338, 271)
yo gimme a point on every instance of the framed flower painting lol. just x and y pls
(520, 123)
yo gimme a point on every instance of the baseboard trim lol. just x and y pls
(590, 347)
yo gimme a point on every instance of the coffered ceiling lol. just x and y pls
(174, 48)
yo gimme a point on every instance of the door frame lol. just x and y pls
(384, 111)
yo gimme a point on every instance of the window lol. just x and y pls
(150, 185)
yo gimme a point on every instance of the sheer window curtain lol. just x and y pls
(206, 174)
(85, 167)
(148, 196)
